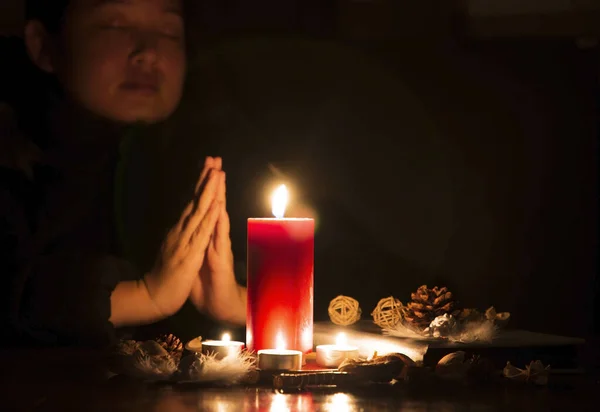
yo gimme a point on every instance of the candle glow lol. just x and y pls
(341, 339)
(279, 201)
(333, 355)
(279, 342)
(222, 348)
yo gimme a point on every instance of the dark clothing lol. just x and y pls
(62, 247)
(62, 259)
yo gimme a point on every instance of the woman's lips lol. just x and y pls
(140, 87)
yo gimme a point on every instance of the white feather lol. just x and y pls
(403, 331)
(230, 369)
(475, 332)
(152, 367)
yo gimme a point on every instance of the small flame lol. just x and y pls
(279, 201)
(341, 339)
(226, 337)
(279, 342)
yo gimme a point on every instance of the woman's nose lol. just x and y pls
(145, 51)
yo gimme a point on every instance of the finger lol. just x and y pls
(222, 229)
(224, 199)
(208, 195)
(209, 163)
(221, 192)
(202, 235)
(220, 198)
(216, 239)
(218, 163)
(183, 219)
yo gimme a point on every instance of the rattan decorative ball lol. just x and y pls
(344, 310)
(387, 313)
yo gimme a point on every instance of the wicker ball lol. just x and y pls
(344, 310)
(387, 313)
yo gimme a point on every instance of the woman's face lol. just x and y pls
(124, 59)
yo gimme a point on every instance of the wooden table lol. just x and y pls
(74, 380)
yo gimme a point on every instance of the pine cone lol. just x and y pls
(427, 304)
(171, 344)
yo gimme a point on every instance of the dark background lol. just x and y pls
(441, 142)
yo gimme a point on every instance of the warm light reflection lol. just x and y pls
(307, 337)
(339, 402)
(226, 337)
(341, 339)
(222, 407)
(279, 342)
(304, 402)
(211, 402)
(279, 403)
(249, 337)
(279, 201)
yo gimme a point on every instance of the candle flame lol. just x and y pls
(279, 201)
(226, 337)
(279, 342)
(341, 339)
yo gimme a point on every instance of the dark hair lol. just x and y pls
(50, 12)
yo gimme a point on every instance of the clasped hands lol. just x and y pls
(196, 260)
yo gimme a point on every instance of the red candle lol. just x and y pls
(280, 281)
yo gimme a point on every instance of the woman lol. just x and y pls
(115, 67)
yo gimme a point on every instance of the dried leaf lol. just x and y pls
(535, 373)
(453, 366)
(453, 358)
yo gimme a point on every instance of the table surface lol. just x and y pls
(73, 380)
(504, 338)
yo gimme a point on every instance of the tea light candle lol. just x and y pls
(331, 356)
(222, 348)
(279, 359)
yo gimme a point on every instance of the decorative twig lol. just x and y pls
(303, 380)
(379, 369)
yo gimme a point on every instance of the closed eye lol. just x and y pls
(174, 33)
(170, 36)
(117, 25)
